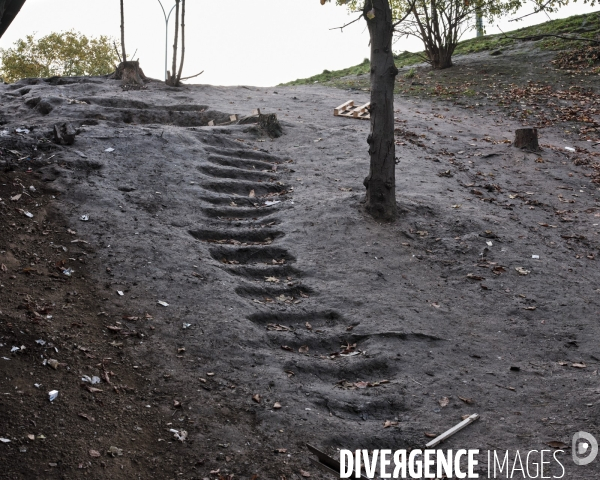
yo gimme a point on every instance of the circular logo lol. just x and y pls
(584, 448)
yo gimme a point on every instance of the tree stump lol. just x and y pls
(526, 138)
(267, 123)
(130, 73)
(270, 124)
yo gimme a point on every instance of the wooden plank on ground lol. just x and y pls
(343, 107)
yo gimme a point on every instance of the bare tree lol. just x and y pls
(174, 76)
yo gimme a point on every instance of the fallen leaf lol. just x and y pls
(522, 271)
(285, 347)
(308, 326)
(472, 276)
(444, 401)
(280, 450)
(252, 194)
(389, 423)
(87, 417)
(304, 473)
(277, 405)
(303, 349)
(579, 365)
(467, 400)
(256, 397)
(272, 279)
(94, 453)
(430, 435)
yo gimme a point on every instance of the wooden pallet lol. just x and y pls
(350, 110)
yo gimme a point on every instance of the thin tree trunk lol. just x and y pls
(124, 56)
(381, 182)
(173, 76)
(182, 42)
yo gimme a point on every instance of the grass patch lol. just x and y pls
(586, 26)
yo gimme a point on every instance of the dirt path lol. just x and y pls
(343, 323)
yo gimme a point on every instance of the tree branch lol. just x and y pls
(541, 9)
(117, 50)
(193, 76)
(349, 23)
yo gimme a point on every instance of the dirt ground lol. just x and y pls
(228, 289)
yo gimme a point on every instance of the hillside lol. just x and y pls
(236, 302)
(582, 26)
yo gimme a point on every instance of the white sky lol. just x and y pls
(235, 42)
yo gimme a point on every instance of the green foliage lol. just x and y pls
(58, 54)
(411, 73)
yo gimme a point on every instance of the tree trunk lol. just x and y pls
(526, 138)
(124, 59)
(441, 58)
(381, 182)
(441, 61)
(172, 80)
(182, 42)
(9, 9)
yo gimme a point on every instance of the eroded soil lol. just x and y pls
(292, 316)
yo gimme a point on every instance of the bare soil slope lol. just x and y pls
(292, 316)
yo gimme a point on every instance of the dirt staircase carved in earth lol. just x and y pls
(244, 195)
